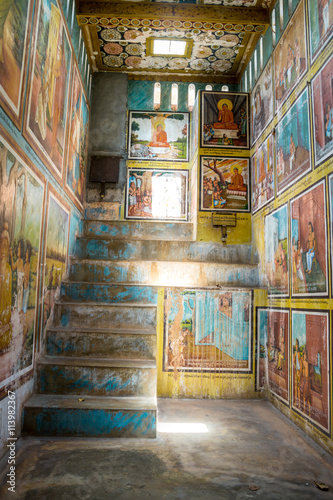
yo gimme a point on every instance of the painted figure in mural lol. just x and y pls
(262, 173)
(299, 266)
(226, 116)
(5, 290)
(259, 118)
(243, 122)
(282, 351)
(326, 16)
(5, 7)
(237, 182)
(298, 366)
(328, 121)
(43, 97)
(292, 153)
(177, 346)
(281, 268)
(159, 138)
(291, 72)
(311, 245)
(26, 280)
(19, 266)
(59, 75)
(305, 382)
(132, 198)
(208, 132)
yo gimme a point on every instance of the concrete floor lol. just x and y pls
(248, 443)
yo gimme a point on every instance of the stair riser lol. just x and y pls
(108, 293)
(167, 251)
(104, 316)
(96, 381)
(139, 230)
(89, 422)
(120, 346)
(167, 274)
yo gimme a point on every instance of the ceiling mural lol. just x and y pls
(222, 42)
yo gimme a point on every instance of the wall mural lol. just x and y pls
(194, 129)
(309, 242)
(290, 62)
(262, 174)
(15, 22)
(293, 157)
(322, 112)
(21, 222)
(158, 136)
(262, 102)
(55, 251)
(207, 331)
(224, 184)
(224, 120)
(273, 351)
(330, 185)
(78, 141)
(157, 194)
(276, 252)
(320, 25)
(310, 366)
(45, 124)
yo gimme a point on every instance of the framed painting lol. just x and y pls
(320, 25)
(157, 194)
(224, 120)
(46, 116)
(224, 184)
(207, 331)
(290, 61)
(311, 366)
(262, 102)
(55, 251)
(157, 136)
(322, 112)
(273, 351)
(292, 148)
(276, 252)
(14, 48)
(309, 242)
(262, 174)
(330, 194)
(195, 127)
(77, 149)
(21, 221)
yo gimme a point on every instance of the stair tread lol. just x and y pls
(97, 330)
(97, 362)
(105, 304)
(91, 402)
(75, 260)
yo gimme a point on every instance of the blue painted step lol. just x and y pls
(107, 292)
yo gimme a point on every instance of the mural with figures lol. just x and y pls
(21, 224)
(309, 242)
(322, 112)
(262, 174)
(273, 351)
(320, 25)
(15, 21)
(330, 184)
(310, 366)
(78, 141)
(262, 102)
(276, 252)
(207, 331)
(56, 245)
(48, 94)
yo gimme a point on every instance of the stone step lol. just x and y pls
(96, 376)
(139, 230)
(101, 343)
(117, 417)
(107, 292)
(104, 315)
(106, 249)
(175, 274)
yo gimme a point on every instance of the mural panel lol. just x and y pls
(45, 124)
(262, 174)
(330, 185)
(290, 62)
(224, 120)
(77, 141)
(320, 25)
(309, 242)
(310, 366)
(15, 22)
(224, 184)
(276, 252)
(322, 112)
(158, 136)
(157, 194)
(207, 331)
(195, 127)
(262, 102)
(22, 203)
(55, 252)
(293, 158)
(273, 351)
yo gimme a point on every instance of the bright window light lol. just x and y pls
(209, 87)
(174, 97)
(169, 47)
(182, 428)
(157, 95)
(167, 195)
(225, 88)
(191, 96)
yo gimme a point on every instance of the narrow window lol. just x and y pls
(157, 95)
(174, 97)
(191, 96)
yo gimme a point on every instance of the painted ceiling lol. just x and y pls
(224, 35)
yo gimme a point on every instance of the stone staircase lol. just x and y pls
(97, 375)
